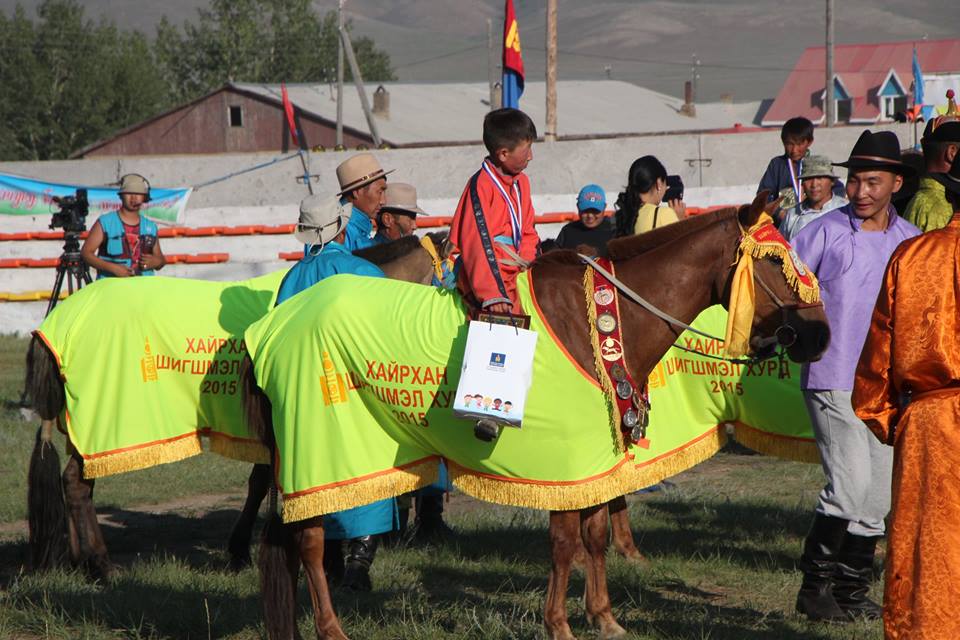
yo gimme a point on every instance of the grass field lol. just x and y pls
(722, 538)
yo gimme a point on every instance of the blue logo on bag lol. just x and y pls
(497, 359)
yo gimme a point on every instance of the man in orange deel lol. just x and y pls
(493, 224)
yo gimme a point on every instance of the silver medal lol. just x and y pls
(624, 390)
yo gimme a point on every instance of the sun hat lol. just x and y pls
(816, 167)
(321, 219)
(401, 198)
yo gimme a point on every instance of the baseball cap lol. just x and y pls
(591, 197)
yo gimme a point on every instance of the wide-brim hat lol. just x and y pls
(401, 197)
(951, 179)
(358, 171)
(880, 151)
(321, 219)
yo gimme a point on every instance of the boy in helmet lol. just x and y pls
(123, 243)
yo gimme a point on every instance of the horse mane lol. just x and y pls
(380, 254)
(631, 246)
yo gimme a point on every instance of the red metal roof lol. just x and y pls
(861, 69)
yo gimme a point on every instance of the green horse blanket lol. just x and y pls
(152, 364)
(361, 374)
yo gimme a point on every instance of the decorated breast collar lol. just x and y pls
(628, 404)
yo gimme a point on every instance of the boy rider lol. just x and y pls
(493, 224)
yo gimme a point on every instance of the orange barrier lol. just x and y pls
(173, 258)
(427, 222)
(292, 256)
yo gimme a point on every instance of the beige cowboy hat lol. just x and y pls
(360, 170)
(321, 219)
(401, 198)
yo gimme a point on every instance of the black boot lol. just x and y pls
(430, 526)
(360, 555)
(333, 561)
(851, 582)
(819, 564)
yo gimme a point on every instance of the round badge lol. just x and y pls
(606, 323)
(618, 373)
(610, 350)
(631, 419)
(603, 296)
(624, 390)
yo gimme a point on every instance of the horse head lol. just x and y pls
(787, 311)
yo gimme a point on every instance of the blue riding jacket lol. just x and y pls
(114, 239)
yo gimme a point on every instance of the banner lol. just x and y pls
(27, 197)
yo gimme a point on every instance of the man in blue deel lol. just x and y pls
(322, 227)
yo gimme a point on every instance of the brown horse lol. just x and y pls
(681, 269)
(62, 519)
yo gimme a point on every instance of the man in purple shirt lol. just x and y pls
(848, 249)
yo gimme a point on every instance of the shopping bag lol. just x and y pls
(497, 373)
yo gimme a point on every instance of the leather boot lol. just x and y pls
(333, 561)
(430, 526)
(360, 555)
(818, 563)
(851, 582)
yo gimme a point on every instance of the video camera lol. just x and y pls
(72, 217)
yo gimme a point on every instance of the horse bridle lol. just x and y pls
(784, 336)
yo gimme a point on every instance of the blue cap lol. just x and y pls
(591, 197)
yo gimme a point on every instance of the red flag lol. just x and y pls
(288, 109)
(512, 58)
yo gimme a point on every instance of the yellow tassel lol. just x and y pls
(142, 458)
(355, 494)
(238, 449)
(769, 444)
(608, 391)
(627, 478)
(808, 294)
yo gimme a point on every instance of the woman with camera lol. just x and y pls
(640, 206)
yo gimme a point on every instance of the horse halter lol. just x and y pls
(785, 335)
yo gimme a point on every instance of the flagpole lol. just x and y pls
(550, 134)
(829, 113)
(339, 142)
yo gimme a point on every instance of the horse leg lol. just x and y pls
(238, 546)
(308, 536)
(622, 535)
(564, 543)
(593, 529)
(87, 548)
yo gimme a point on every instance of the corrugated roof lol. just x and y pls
(431, 113)
(861, 68)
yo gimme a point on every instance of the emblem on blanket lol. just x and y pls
(629, 404)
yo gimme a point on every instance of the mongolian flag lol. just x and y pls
(288, 109)
(512, 59)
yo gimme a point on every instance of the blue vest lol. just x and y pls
(113, 240)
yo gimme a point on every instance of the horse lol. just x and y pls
(62, 520)
(680, 269)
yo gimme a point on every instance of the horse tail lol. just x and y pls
(257, 410)
(46, 512)
(43, 389)
(278, 567)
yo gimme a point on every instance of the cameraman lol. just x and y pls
(123, 243)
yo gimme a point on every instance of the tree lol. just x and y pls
(258, 41)
(69, 82)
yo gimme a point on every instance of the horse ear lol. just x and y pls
(749, 214)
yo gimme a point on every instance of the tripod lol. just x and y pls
(71, 268)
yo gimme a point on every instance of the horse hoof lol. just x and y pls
(239, 563)
(100, 569)
(561, 634)
(634, 557)
(486, 430)
(610, 630)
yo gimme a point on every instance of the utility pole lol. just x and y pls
(830, 113)
(358, 80)
(550, 135)
(492, 67)
(340, 76)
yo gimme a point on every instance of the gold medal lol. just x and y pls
(603, 296)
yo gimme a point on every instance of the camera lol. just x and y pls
(72, 217)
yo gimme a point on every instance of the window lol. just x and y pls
(236, 115)
(893, 105)
(844, 109)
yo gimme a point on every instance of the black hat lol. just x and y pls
(880, 150)
(951, 179)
